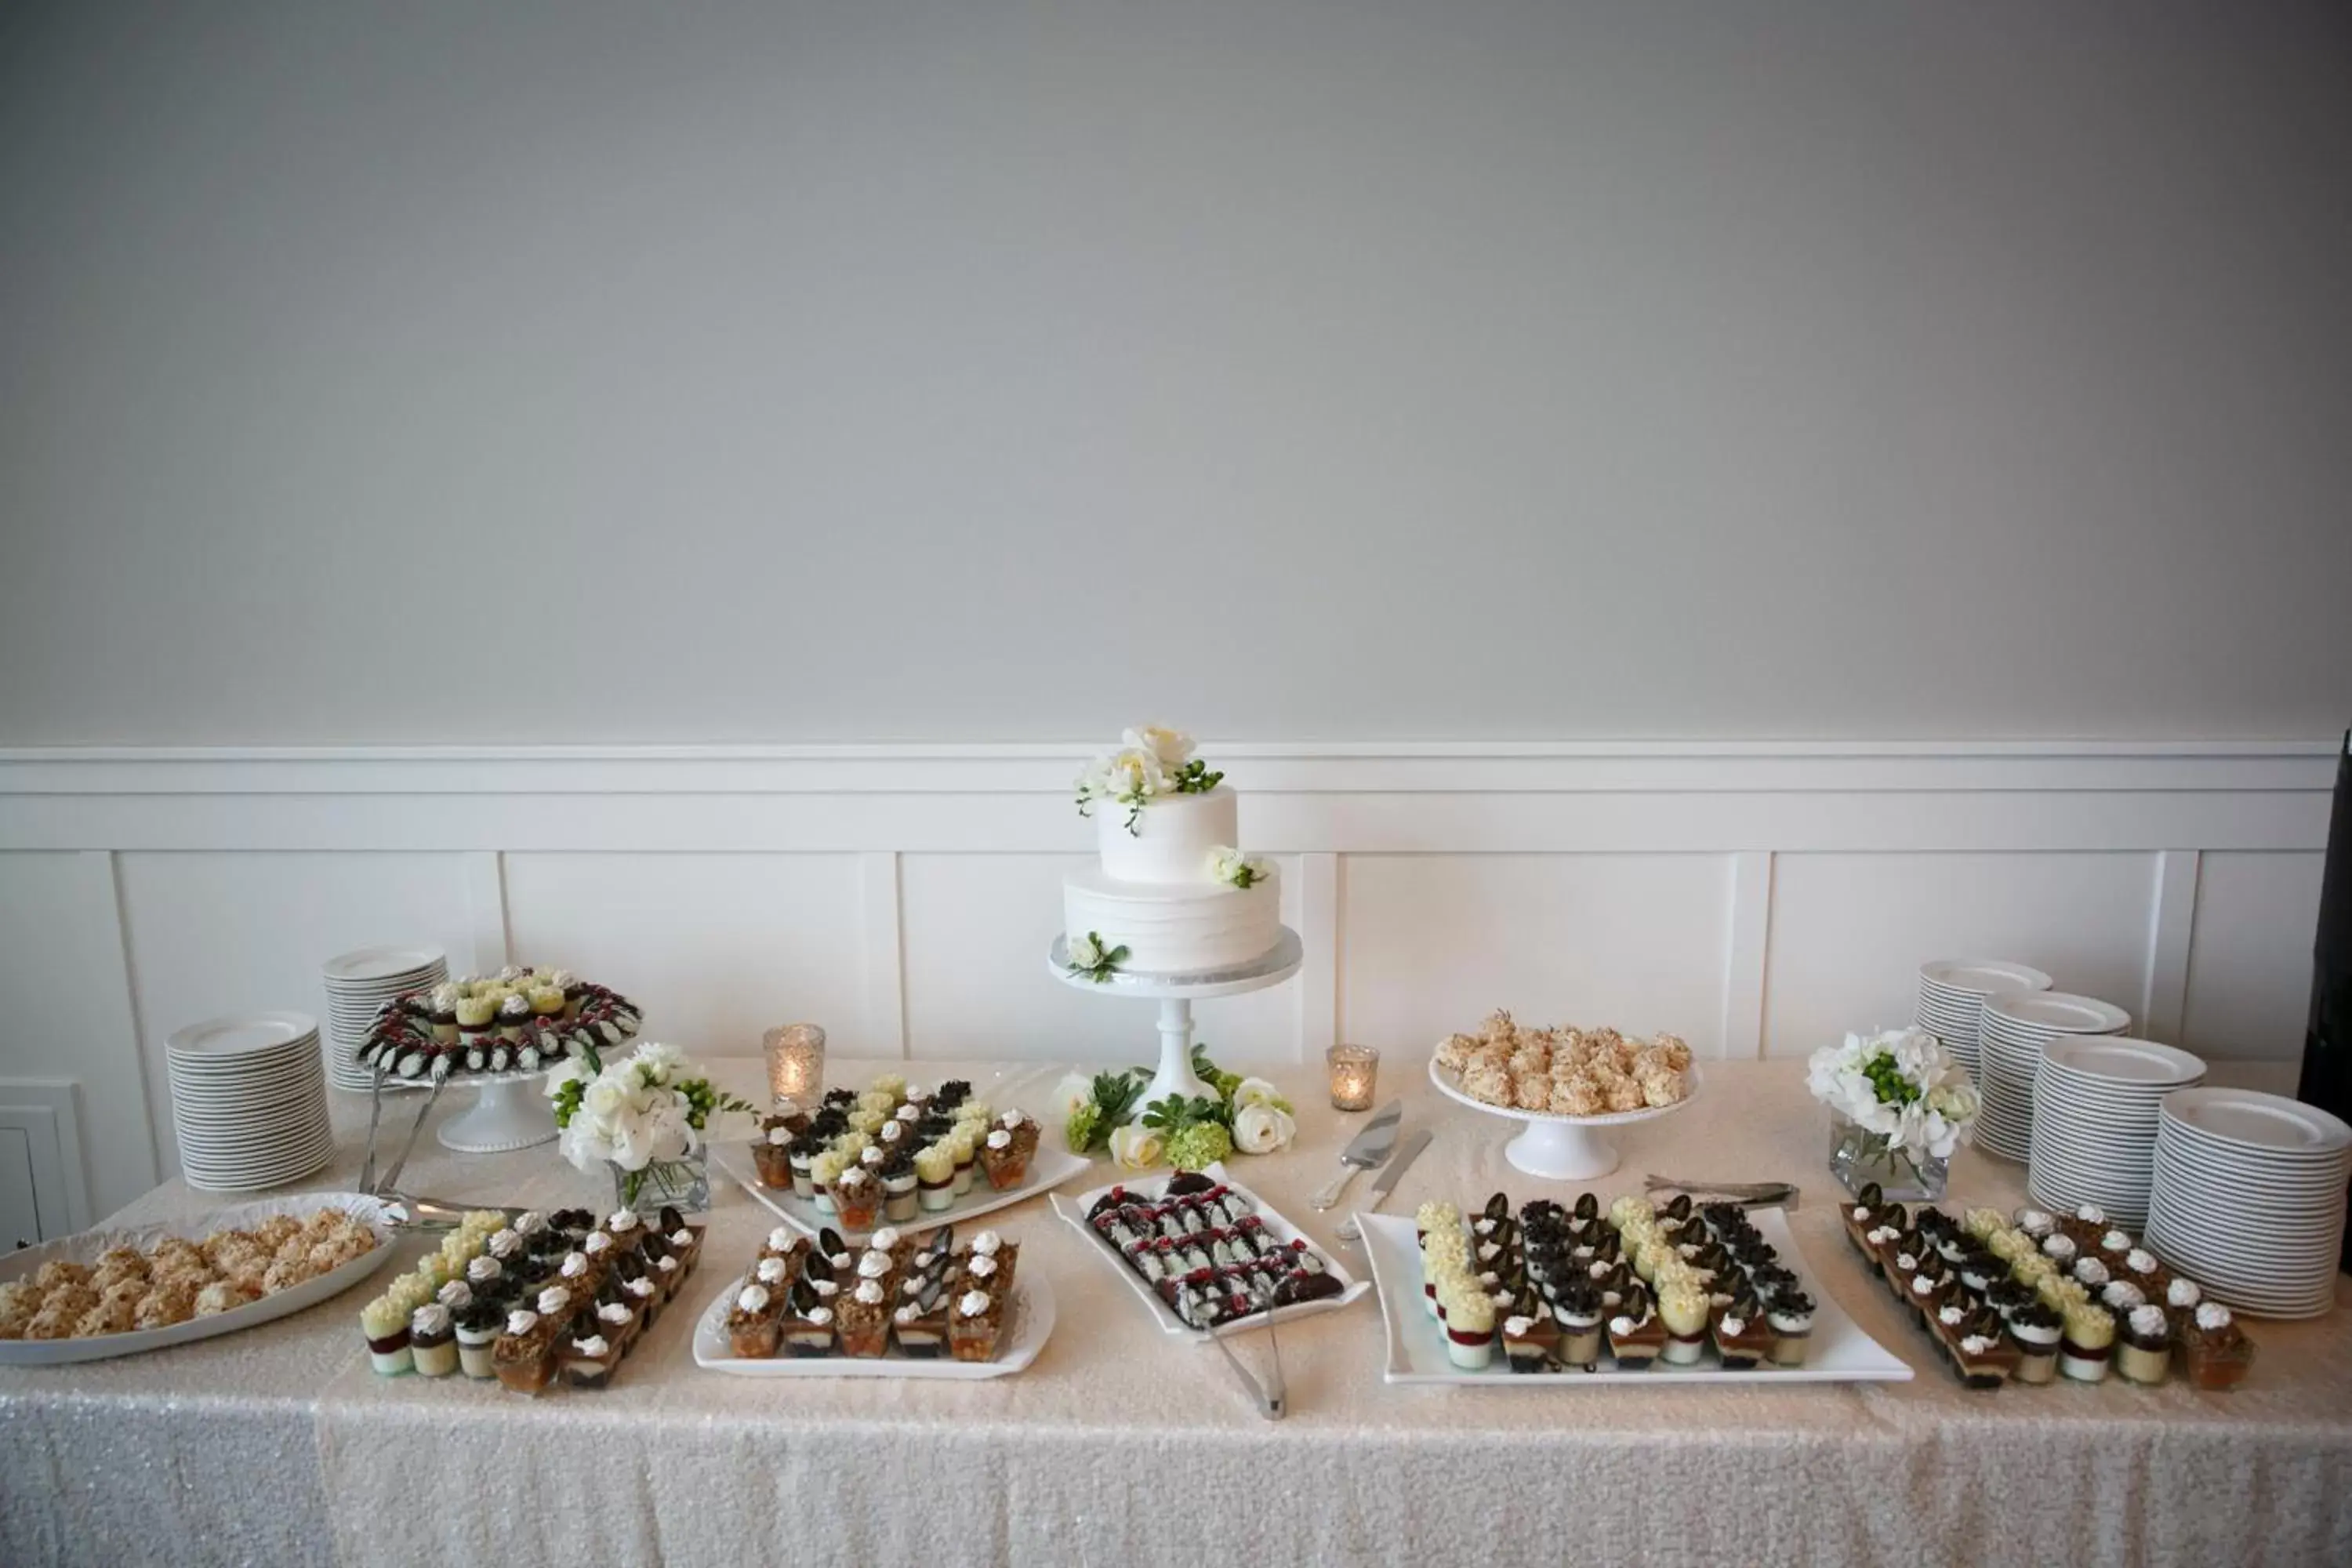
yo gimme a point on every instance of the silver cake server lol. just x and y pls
(1368, 1149)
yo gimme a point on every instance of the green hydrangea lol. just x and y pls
(1080, 1130)
(1198, 1146)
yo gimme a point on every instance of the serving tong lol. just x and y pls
(1271, 1397)
(390, 1185)
(1755, 1194)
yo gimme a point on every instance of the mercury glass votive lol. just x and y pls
(1353, 1069)
(795, 1063)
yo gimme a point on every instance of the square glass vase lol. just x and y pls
(1859, 1156)
(683, 1184)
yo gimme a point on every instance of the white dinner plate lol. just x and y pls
(1980, 977)
(241, 1034)
(2120, 1058)
(2264, 1123)
(86, 1248)
(1029, 1322)
(2056, 1012)
(1073, 1210)
(365, 966)
(1841, 1351)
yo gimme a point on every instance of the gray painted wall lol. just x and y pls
(438, 372)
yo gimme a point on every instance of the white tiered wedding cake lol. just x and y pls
(1171, 889)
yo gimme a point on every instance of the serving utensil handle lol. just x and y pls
(1330, 1194)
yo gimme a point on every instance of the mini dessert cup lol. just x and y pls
(1469, 1326)
(587, 1360)
(647, 1296)
(934, 1178)
(477, 1333)
(1529, 1340)
(755, 1324)
(967, 1158)
(1742, 1337)
(974, 1324)
(865, 1318)
(2214, 1351)
(857, 1198)
(1984, 1359)
(1683, 1310)
(524, 1357)
(1790, 1318)
(901, 1198)
(1636, 1336)
(2038, 1331)
(2144, 1345)
(797, 1161)
(433, 1340)
(2087, 1344)
(1006, 1152)
(772, 1158)
(1578, 1312)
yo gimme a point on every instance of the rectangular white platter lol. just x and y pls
(1051, 1166)
(86, 1246)
(1073, 1210)
(1031, 1321)
(1841, 1351)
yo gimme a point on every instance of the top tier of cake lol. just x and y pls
(1172, 839)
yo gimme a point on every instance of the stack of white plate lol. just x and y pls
(249, 1101)
(2017, 1025)
(2249, 1198)
(358, 984)
(2095, 1105)
(1952, 993)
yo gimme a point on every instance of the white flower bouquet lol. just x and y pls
(1897, 1100)
(1150, 762)
(645, 1112)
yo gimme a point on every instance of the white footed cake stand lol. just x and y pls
(1176, 994)
(511, 1110)
(1558, 1147)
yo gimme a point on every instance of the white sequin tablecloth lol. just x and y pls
(1121, 1446)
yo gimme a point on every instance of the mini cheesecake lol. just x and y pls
(2088, 1345)
(2038, 1331)
(1578, 1313)
(1685, 1311)
(2144, 1345)
(1790, 1315)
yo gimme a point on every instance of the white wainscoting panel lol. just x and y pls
(65, 1013)
(1432, 943)
(212, 933)
(1754, 896)
(2250, 956)
(1849, 931)
(977, 927)
(718, 948)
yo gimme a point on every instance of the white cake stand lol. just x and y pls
(510, 1111)
(1557, 1146)
(1176, 994)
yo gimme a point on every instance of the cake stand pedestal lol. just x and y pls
(1176, 994)
(1561, 1148)
(508, 1112)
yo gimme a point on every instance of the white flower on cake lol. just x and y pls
(1260, 1129)
(1171, 748)
(1136, 1147)
(1090, 958)
(1230, 866)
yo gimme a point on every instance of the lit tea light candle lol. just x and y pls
(1353, 1069)
(795, 1063)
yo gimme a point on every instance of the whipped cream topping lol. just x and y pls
(1922, 1285)
(2034, 1222)
(530, 1222)
(1010, 1120)
(873, 1266)
(2148, 1321)
(504, 1243)
(1880, 1235)
(592, 1346)
(521, 1320)
(820, 1316)
(999, 1139)
(869, 1291)
(780, 1239)
(986, 1243)
(886, 1238)
(454, 1295)
(2091, 1214)
(824, 1287)
(2091, 1272)
(667, 1264)
(1861, 1211)
(2115, 1241)
(1734, 1326)
(640, 1287)
(2122, 1296)
(553, 1300)
(597, 1244)
(431, 1319)
(2058, 1247)
(972, 1303)
(1517, 1326)
(2184, 1293)
(2140, 1260)
(752, 1299)
(1976, 1344)
(2212, 1315)
(482, 1270)
(771, 1271)
(623, 1222)
(981, 1267)
(1952, 1312)
(575, 1264)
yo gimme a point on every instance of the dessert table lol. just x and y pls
(1121, 1446)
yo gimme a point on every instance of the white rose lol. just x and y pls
(1169, 748)
(1086, 953)
(1136, 1147)
(660, 1062)
(1136, 776)
(1074, 1091)
(605, 1098)
(1257, 1091)
(1094, 780)
(1261, 1130)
